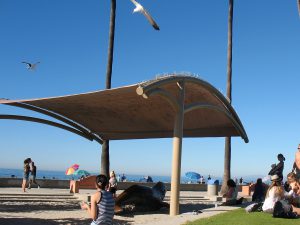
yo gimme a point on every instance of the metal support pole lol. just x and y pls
(177, 146)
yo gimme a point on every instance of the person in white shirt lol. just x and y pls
(275, 193)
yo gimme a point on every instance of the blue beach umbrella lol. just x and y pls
(193, 175)
(81, 173)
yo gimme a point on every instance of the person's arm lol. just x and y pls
(229, 194)
(276, 168)
(92, 210)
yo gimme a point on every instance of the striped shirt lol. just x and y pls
(106, 207)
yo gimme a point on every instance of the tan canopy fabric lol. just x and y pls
(121, 113)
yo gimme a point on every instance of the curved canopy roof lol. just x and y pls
(122, 113)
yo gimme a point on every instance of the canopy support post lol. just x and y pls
(177, 148)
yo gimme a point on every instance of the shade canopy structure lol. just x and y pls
(120, 113)
(175, 105)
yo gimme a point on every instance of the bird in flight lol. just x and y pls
(139, 8)
(31, 66)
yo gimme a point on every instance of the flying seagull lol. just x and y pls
(31, 66)
(139, 8)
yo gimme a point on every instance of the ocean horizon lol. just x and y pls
(60, 175)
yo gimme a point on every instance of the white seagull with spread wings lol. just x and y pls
(139, 8)
(31, 66)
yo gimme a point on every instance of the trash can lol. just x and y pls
(212, 187)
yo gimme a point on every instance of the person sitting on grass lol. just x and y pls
(274, 193)
(293, 188)
(231, 194)
(102, 203)
(259, 191)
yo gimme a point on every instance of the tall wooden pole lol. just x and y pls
(227, 156)
(110, 55)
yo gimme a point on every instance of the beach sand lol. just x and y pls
(57, 206)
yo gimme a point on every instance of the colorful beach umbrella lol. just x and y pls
(75, 166)
(193, 175)
(70, 171)
(81, 173)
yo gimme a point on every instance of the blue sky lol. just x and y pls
(70, 40)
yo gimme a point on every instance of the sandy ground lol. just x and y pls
(57, 206)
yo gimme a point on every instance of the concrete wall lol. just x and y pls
(65, 184)
(17, 182)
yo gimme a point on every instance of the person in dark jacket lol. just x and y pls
(259, 191)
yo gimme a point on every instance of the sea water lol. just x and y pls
(60, 175)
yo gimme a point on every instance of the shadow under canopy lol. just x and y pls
(170, 106)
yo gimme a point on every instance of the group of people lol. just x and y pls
(202, 179)
(282, 200)
(101, 207)
(29, 174)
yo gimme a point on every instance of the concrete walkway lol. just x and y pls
(58, 206)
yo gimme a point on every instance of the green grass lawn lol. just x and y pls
(240, 217)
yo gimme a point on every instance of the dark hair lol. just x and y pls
(32, 163)
(231, 183)
(281, 156)
(259, 181)
(28, 160)
(101, 181)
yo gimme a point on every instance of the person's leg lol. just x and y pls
(24, 183)
(239, 201)
(296, 210)
(229, 202)
(34, 181)
(29, 183)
